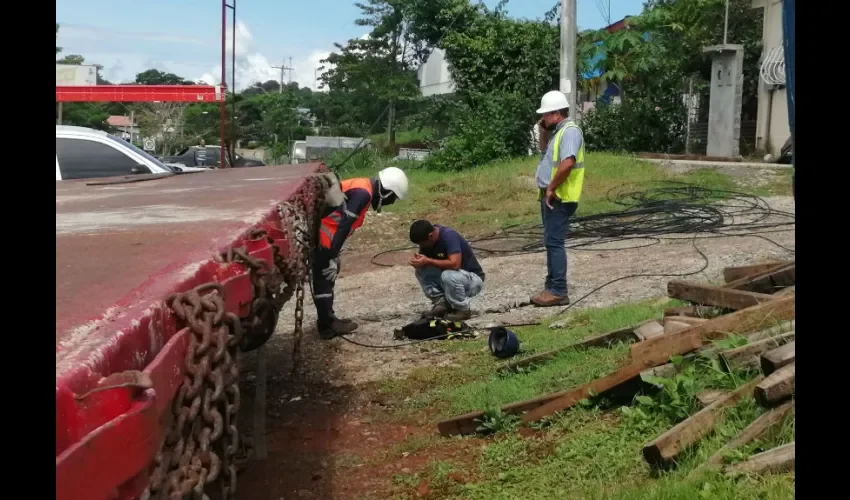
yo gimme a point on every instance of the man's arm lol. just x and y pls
(358, 199)
(453, 252)
(450, 264)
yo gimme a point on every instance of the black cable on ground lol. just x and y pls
(652, 214)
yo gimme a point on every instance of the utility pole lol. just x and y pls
(568, 54)
(290, 70)
(282, 68)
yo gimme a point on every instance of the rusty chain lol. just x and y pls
(203, 438)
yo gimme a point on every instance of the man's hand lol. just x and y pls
(330, 273)
(550, 193)
(418, 260)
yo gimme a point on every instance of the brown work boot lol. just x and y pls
(439, 309)
(549, 299)
(459, 315)
(335, 329)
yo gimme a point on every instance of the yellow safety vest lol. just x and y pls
(570, 190)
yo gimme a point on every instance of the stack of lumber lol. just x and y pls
(756, 302)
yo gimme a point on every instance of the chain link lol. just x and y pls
(203, 440)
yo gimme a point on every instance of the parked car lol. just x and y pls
(85, 153)
(208, 157)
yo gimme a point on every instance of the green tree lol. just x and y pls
(156, 77)
(58, 48)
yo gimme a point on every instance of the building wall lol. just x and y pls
(772, 128)
(434, 75)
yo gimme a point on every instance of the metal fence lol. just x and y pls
(697, 138)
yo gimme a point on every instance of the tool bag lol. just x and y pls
(434, 328)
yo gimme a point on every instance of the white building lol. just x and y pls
(434, 75)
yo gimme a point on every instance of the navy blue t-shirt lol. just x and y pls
(450, 242)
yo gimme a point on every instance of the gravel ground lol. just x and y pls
(385, 299)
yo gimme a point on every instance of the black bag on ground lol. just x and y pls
(432, 328)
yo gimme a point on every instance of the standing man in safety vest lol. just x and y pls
(360, 194)
(560, 175)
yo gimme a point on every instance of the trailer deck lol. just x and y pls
(121, 249)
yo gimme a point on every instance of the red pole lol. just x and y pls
(222, 153)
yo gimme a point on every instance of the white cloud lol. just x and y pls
(253, 67)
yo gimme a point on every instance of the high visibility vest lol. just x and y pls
(331, 222)
(570, 190)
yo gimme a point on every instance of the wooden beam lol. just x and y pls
(569, 399)
(776, 387)
(663, 451)
(648, 330)
(668, 369)
(757, 428)
(709, 396)
(715, 296)
(768, 281)
(604, 340)
(674, 326)
(777, 358)
(658, 350)
(690, 311)
(779, 460)
(785, 291)
(747, 356)
(731, 274)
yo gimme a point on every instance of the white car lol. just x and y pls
(85, 153)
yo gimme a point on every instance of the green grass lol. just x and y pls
(592, 451)
(482, 200)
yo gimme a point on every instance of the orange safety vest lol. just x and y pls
(331, 222)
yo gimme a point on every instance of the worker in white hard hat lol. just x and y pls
(560, 175)
(360, 194)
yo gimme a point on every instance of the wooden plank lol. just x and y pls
(604, 340)
(776, 387)
(569, 399)
(768, 281)
(260, 448)
(668, 370)
(756, 429)
(663, 451)
(777, 358)
(649, 330)
(687, 319)
(731, 274)
(702, 312)
(715, 296)
(747, 356)
(658, 350)
(779, 460)
(674, 326)
(709, 396)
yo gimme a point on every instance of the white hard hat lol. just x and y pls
(553, 101)
(395, 180)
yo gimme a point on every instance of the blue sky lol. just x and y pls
(183, 36)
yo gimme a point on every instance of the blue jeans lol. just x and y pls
(456, 287)
(556, 221)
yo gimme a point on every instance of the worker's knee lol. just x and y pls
(451, 278)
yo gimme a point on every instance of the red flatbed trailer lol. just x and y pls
(121, 351)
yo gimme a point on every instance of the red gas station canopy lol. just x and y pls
(140, 93)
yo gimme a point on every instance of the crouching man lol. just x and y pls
(446, 269)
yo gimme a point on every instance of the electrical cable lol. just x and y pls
(655, 213)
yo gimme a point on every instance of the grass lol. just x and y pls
(482, 200)
(592, 451)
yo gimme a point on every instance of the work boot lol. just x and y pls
(459, 315)
(335, 329)
(347, 321)
(549, 299)
(440, 309)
